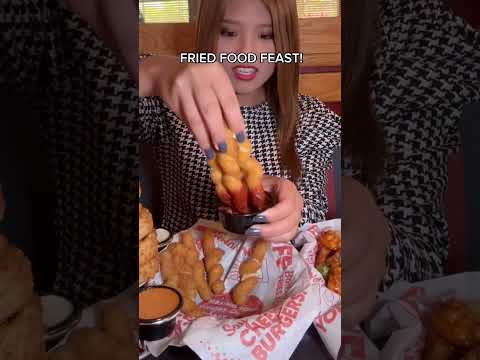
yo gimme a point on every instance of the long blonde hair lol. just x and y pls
(282, 88)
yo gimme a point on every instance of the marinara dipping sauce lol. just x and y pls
(158, 307)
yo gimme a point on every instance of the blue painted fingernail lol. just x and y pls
(222, 147)
(253, 232)
(260, 219)
(240, 136)
(210, 154)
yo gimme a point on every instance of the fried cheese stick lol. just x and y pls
(248, 273)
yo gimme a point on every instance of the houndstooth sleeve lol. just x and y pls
(318, 137)
(428, 67)
(152, 112)
(429, 57)
(23, 27)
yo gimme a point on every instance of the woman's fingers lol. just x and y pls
(230, 106)
(286, 237)
(158, 75)
(217, 103)
(282, 209)
(190, 111)
(269, 183)
(288, 199)
(277, 228)
(201, 94)
(283, 218)
(212, 117)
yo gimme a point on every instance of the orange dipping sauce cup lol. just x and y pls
(158, 307)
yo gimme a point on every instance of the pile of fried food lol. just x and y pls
(21, 327)
(238, 177)
(147, 245)
(453, 332)
(111, 338)
(329, 260)
(182, 269)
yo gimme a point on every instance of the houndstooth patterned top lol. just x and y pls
(187, 190)
(86, 104)
(427, 68)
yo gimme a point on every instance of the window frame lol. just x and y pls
(193, 6)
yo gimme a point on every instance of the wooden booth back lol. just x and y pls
(320, 44)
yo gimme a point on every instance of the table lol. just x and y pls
(310, 347)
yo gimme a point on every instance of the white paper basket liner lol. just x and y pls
(290, 291)
(398, 316)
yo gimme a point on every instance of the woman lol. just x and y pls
(68, 129)
(293, 137)
(420, 64)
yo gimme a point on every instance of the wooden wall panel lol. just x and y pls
(325, 86)
(166, 39)
(320, 40)
(320, 43)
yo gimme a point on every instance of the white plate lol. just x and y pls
(162, 235)
(59, 317)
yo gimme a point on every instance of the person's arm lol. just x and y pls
(116, 23)
(319, 137)
(427, 72)
(22, 45)
(152, 112)
(365, 238)
(430, 58)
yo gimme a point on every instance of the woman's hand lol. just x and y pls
(365, 238)
(200, 94)
(283, 218)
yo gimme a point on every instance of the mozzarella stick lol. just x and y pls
(218, 287)
(242, 290)
(215, 274)
(191, 257)
(187, 289)
(248, 273)
(208, 242)
(197, 312)
(187, 240)
(200, 282)
(172, 281)
(213, 258)
(250, 266)
(167, 266)
(260, 249)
